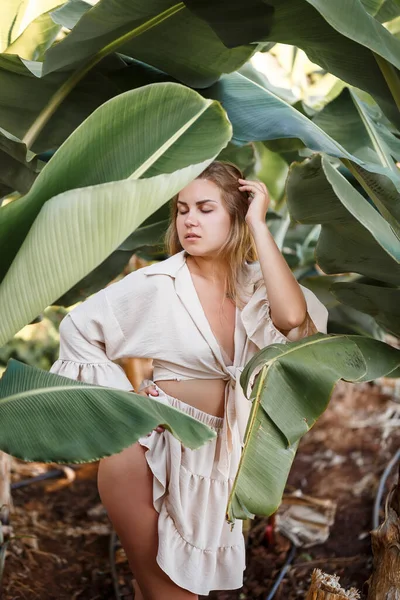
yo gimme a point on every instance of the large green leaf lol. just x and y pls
(339, 36)
(242, 156)
(272, 170)
(354, 237)
(383, 193)
(381, 302)
(50, 418)
(17, 83)
(358, 127)
(197, 57)
(382, 10)
(111, 267)
(35, 39)
(236, 22)
(394, 27)
(342, 317)
(165, 134)
(17, 15)
(389, 10)
(70, 12)
(291, 391)
(257, 114)
(19, 166)
(147, 240)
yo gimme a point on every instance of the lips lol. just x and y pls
(191, 235)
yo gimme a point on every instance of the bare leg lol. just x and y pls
(126, 489)
(138, 593)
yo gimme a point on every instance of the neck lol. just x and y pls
(207, 267)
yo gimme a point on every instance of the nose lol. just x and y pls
(189, 219)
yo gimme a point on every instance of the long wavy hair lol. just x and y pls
(239, 246)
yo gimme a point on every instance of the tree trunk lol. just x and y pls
(384, 583)
(327, 587)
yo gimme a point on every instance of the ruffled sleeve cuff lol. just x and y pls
(256, 318)
(107, 374)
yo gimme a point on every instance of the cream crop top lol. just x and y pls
(155, 312)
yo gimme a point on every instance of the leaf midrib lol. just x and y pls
(159, 152)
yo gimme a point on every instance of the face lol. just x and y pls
(201, 211)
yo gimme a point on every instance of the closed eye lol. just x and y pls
(185, 212)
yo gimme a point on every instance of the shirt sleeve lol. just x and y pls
(90, 336)
(256, 317)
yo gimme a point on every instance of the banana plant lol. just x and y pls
(331, 36)
(281, 414)
(343, 38)
(121, 165)
(70, 421)
(115, 171)
(354, 238)
(50, 418)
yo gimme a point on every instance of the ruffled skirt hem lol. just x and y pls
(197, 548)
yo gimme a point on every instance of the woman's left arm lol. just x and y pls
(287, 303)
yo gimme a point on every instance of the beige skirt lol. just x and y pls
(197, 548)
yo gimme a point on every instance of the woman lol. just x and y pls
(200, 315)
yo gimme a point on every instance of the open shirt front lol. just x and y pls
(155, 312)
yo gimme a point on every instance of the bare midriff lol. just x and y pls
(205, 394)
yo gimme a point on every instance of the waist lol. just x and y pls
(206, 395)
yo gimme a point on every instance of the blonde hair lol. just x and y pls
(239, 246)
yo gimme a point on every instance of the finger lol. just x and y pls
(150, 389)
(258, 184)
(246, 187)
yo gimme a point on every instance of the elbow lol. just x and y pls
(297, 320)
(291, 322)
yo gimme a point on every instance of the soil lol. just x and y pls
(342, 458)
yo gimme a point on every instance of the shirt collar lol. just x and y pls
(174, 263)
(170, 266)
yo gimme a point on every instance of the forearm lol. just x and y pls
(287, 303)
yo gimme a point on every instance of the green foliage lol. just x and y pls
(280, 415)
(50, 418)
(113, 99)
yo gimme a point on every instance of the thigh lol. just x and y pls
(125, 484)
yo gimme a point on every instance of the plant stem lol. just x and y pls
(72, 81)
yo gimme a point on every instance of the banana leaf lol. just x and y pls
(341, 37)
(379, 301)
(359, 128)
(257, 114)
(50, 418)
(342, 317)
(354, 236)
(111, 267)
(17, 17)
(292, 389)
(122, 164)
(17, 83)
(19, 166)
(161, 33)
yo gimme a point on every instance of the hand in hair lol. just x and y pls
(258, 201)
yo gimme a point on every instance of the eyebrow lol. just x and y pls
(199, 202)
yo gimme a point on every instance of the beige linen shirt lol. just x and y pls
(155, 312)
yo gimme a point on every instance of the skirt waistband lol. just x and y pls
(210, 420)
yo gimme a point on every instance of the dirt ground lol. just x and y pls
(341, 458)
